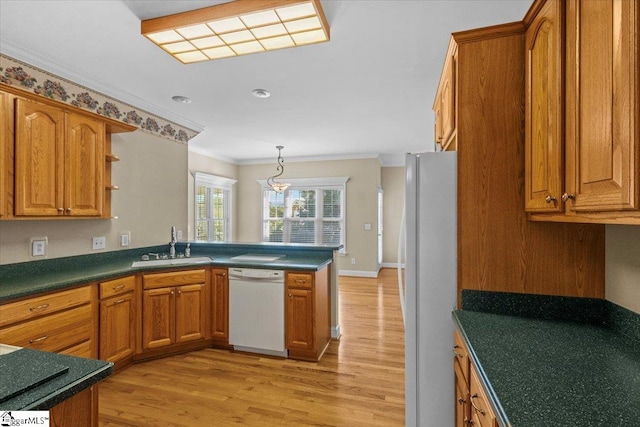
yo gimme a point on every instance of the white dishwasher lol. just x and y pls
(256, 311)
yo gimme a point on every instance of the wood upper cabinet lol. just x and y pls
(444, 106)
(544, 160)
(602, 105)
(60, 162)
(588, 172)
(307, 314)
(174, 308)
(39, 164)
(220, 305)
(6, 140)
(118, 313)
(54, 159)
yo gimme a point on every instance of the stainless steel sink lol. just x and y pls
(172, 261)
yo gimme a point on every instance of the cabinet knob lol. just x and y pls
(550, 199)
(60, 210)
(567, 196)
(117, 288)
(290, 295)
(68, 210)
(179, 292)
(172, 292)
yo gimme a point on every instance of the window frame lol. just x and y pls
(214, 182)
(305, 184)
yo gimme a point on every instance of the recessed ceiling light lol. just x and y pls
(181, 99)
(260, 93)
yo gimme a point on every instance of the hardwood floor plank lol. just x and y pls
(358, 382)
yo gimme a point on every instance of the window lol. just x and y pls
(212, 207)
(310, 211)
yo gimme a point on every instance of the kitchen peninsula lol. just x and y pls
(79, 298)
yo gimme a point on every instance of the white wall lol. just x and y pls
(362, 189)
(393, 186)
(622, 267)
(152, 197)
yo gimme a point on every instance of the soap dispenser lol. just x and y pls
(187, 250)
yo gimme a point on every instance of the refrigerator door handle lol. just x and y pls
(402, 249)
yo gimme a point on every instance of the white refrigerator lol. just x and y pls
(429, 287)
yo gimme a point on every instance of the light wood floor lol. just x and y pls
(358, 382)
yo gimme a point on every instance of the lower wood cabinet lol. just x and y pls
(62, 322)
(118, 313)
(472, 405)
(174, 308)
(220, 306)
(307, 314)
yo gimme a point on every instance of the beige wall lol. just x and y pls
(393, 186)
(152, 197)
(622, 266)
(206, 164)
(362, 189)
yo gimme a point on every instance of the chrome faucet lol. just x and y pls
(172, 243)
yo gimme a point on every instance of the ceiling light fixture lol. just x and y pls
(278, 187)
(237, 28)
(181, 99)
(260, 93)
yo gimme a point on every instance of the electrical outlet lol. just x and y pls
(99, 243)
(353, 261)
(179, 234)
(125, 238)
(39, 246)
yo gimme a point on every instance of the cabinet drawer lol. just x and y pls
(161, 280)
(39, 306)
(51, 333)
(461, 354)
(84, 349)
(481, 410)
(300, 280)
(117, 286)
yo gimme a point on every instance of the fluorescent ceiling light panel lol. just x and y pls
(277, 42)
(269, 31)
(237, 28)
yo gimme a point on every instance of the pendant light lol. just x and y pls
(278, 187)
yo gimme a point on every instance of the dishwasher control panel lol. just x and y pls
(253, 273)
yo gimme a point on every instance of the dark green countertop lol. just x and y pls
(554, 373)
(82, 373)
(31, 278)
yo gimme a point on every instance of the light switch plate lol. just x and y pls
(125, 238)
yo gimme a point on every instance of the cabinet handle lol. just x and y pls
(456, 353)
(39, 308)
(38, 339)
(120, 301)
(117, 288)
(300, 281)
(550, 199)
(480, 410)
(60, 210)
(68, 210)
(468, 421)
(567, 196)
(461, 401)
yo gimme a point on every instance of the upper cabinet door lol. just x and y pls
(39, 159)
(84, 169)
(602, 105)
(544, 178)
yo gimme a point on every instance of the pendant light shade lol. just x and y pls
(278, 187)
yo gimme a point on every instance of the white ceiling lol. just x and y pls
(367, 92)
